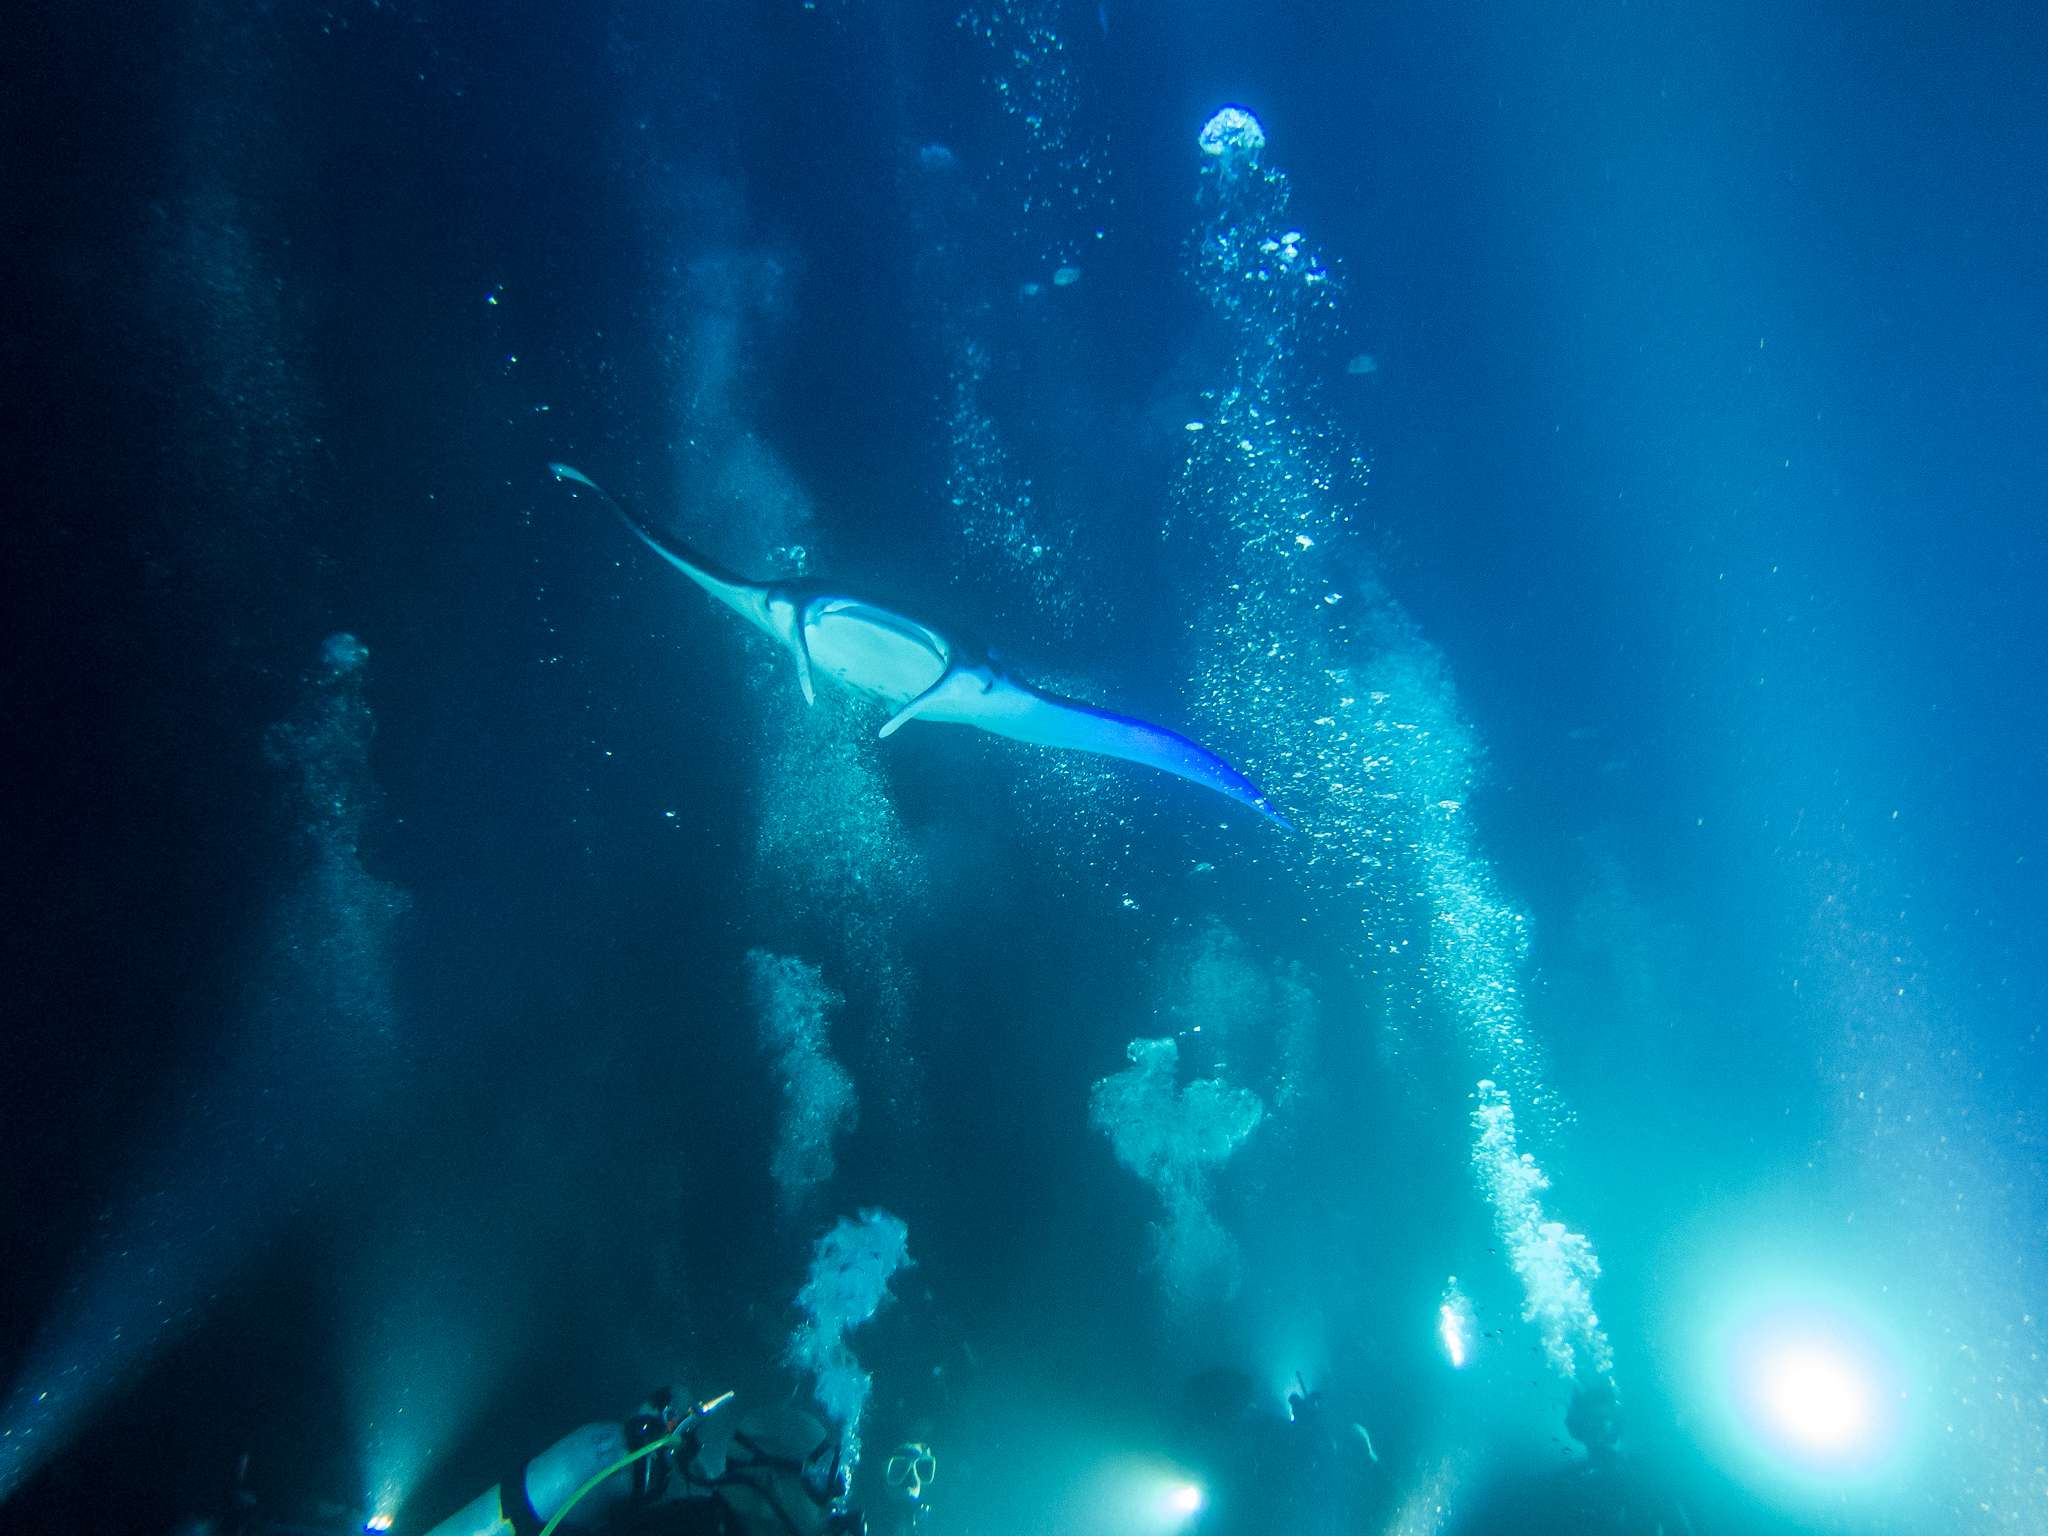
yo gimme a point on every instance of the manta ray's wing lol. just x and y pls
(763, 604)
(924, 676)
(749, 599)
(997, 702)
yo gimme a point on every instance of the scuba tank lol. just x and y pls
(589, 1475)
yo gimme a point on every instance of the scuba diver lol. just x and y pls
(1594, 1420)
(778, 1474)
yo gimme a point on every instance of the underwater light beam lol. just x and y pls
(227, 1162)
(1451, 1329)
(1138, 1496)
(1814, 1391)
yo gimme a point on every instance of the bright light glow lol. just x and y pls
(1818, 1398)
(1452, 1331)
(1814, 1390)
(387, 1496)
(384, 1504)
(1456, 1325)
(1133, 1495)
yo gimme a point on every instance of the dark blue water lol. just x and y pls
(1586, 468)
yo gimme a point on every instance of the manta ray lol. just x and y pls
(919, 672)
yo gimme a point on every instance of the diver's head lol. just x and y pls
(1593, 1418)
(782, 1473)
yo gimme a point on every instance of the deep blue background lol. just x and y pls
(1708, 436)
